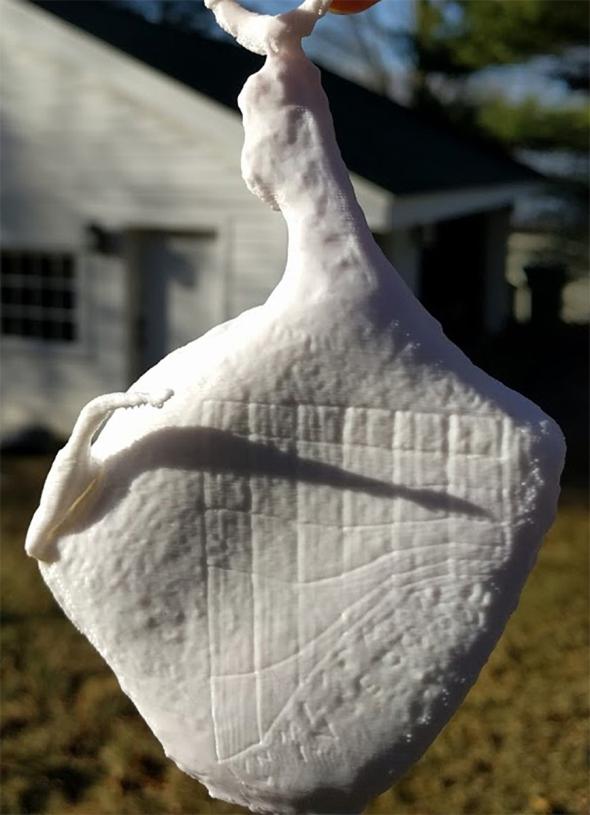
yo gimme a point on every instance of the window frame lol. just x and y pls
(77, 346)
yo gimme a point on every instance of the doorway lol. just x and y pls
(453, 277)
(178, 291)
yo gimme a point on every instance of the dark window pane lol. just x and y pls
(17, 295)
(67, 267)
(10, 326)
(51, 298)
(45, 297)
(27, 296)
(59, 295)
(48, 266)
(68, 299)
(68, 331)
(7, 265)
(8, 295)
(47, 330)
(44, 281)
(27, 328)
(26, 265)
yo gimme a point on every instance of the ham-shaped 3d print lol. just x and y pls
(297, 539)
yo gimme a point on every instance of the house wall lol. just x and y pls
(498, 294)
(45, 384)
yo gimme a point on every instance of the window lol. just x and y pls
(39, 295)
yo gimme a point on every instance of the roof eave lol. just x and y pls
(424, 208)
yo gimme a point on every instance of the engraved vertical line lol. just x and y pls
(253, 567)
(395, 474)
(213, 671)
(507, 507)
(452, 445)
(300, 566)
(416, 449)
(345, 506)
(204, 419)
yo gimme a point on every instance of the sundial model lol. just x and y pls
(300, 543)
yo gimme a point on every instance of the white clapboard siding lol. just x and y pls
(46, 384)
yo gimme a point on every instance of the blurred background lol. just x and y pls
(126, 231)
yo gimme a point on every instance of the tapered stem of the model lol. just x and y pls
(292, 161)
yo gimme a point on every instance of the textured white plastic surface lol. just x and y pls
(299, 547)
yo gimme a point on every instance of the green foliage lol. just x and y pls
(459, 36)
(530, 124)
(456, 38)
(74, 745)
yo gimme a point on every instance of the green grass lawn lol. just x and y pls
(73, 743)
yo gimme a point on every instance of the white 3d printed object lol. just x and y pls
(301, 546)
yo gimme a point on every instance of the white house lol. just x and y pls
(127, 229)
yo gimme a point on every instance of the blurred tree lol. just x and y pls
(459, 36)
(451, 40)
(531, 125)
(454, 42)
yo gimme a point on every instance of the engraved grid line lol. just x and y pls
(363, 567)
(255, 604)
(376, 609)
(368, 409)
(506, 498)
(417, 419)
(345, 509)
(337, 623)
(366, 446)
(210, 629)
(452, 436)
(395, 476)
(449, 438)
(298, 545)
(328, 525)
